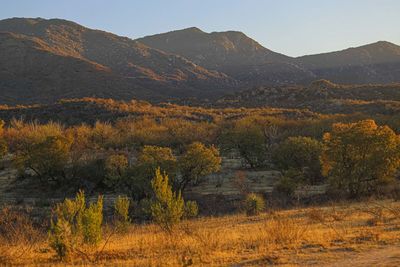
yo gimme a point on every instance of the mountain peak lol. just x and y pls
(191, 29)
(380, 45)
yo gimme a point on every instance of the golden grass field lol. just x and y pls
(360, 234)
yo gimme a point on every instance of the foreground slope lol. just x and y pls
(336, 235)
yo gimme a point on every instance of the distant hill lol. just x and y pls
(119, 67)
(43, 60)
(246, 60)
(321, 96)
(374, 63)
(230, 52)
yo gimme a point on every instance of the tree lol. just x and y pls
(167, 207)
(196, 162)
(360, 156)
(138, 178)
(254, 137)
(153, 157)
(47, 159)
(115, 166)
(300, 154)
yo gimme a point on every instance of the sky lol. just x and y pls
(291, 27)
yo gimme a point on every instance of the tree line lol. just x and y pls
(355, 158)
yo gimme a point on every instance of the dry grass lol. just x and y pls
(319, 235)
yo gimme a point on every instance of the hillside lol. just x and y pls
(373, 63)
(231, 52)
(321, 96)
(131, 65)
(42, 61)
(32, 71)
(246, 60)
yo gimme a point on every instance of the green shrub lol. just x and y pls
(142, 210)
(254, 204)
(191, 209)
(121, 214)
(62, 239)
(74, 224)
(301, 154)
(286, 185)
(167, 207)
(92, 221)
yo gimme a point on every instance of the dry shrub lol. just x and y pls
(241, 183)
(381, 212)
(377, 213)
(18, 235)
(285, 232)
(316, 215)
(368, 235)
(331, 218)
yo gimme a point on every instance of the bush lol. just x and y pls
(73, 224)
(241, 183)
(288, 183)
(301, 154)
(121, 214)
(254, 204)
(92, 221)
(191, 209)
(3, 148)
(18, 233)
(115, 167)
(142, 210)
(167, 207)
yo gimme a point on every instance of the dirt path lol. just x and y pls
(389, 256)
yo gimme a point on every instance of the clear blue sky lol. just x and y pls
(292, 27)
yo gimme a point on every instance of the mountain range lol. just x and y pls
(43, 60)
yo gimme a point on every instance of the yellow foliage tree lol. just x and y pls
(360, 156)
(198, 161)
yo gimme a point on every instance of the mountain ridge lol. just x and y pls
(177, 64)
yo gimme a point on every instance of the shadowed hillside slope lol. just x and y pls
(373, 63)
(231, 52)
(131, 64)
